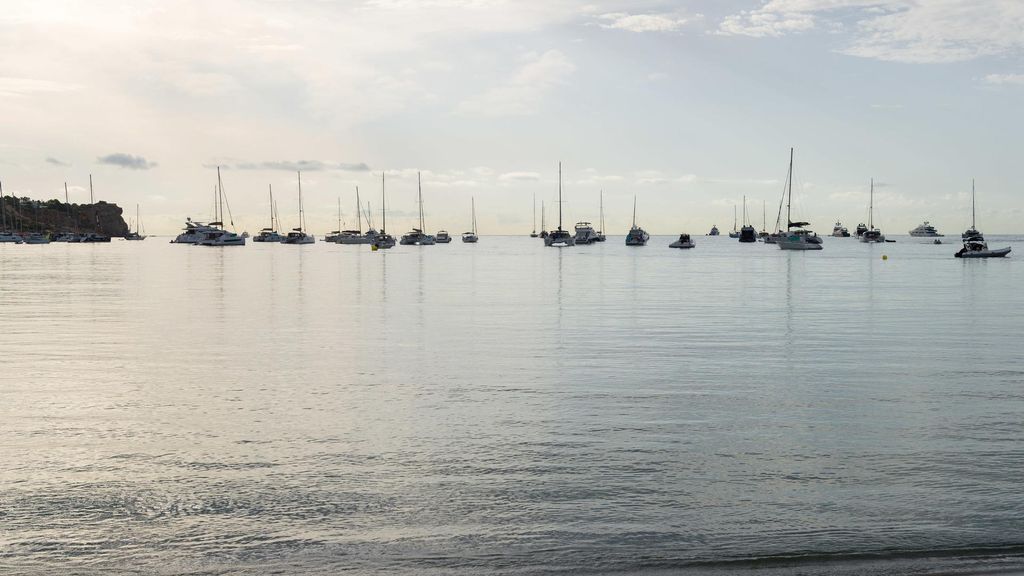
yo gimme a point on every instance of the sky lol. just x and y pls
(688, 106)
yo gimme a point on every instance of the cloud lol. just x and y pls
(519, 177)
(303, 166)
(126, 161)
(641, 22)
(1001, 79)
(56, 162)
(911, 31)
(19, 87)
(523, 92)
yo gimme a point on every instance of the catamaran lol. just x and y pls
(270, 234)
(872, 235)
(801, 238)
(417, 237)
(559, 237)
(298, 235)
(471, 236)
(637, 236)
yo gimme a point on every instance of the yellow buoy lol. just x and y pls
(373, 247)
(884, 257)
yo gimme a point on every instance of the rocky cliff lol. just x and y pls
(27, 215)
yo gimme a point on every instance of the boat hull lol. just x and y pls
(997, 253)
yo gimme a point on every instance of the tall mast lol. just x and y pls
(559, 196)
(271, 188)
(359, 213)
(383, 206)
(871, 207)
(789, 197)
(68, 202)
(339, 214)
(419, 192)
(136, 218)
(634, 212)
(300, 201)
(220, 198)
(764, 214)
(3, 208)
(95, 215)
(744, 210)
(733, 218)
(472, 203)
(602, 212)
(541, 215)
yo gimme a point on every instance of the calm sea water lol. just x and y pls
(506, 408)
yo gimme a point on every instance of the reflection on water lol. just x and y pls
(509, 408)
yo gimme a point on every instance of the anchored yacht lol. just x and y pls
(298, 235)
(637, 236)
(585, 233)
(800, 238)
(558, 237)
(925, 230)
(683, 242)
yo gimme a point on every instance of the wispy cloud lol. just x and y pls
(56, 162)
(19, 87)
(641, 22)
(894, 30)
(519, 177)
(302, 165)
(126, 161)
(524, 90)
(1000, 79)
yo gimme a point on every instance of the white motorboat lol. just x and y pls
(872, 235)
(840, 231)
(585, 233)
(714, 231)
(683, 242)
(925, 230)
(417, 237)
(637, 236)
(192, 232)
(558, 238)
(298, 235)
(214, 234)
(471, 236)
(800, 238)
(442, 237)
(861, 228)
(974, 244)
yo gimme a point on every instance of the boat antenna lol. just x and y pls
(602, 211)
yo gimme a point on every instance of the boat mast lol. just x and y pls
(68, 202)
(602, 212)
(472, 203)
(559, 196)
(634, 213)
(339, 214)
(534, 213)
(419, 192)
(95, 215)
(542, 216)
(871, 207)
(220, 198)
(300, 202)
(764, 214)
(359, 213)
(383, 207)
(271, 188)
(789, 197)
(744, 210)
(733, 218)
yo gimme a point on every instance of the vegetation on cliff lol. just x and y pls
(28, 215)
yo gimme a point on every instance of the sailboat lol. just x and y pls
(298, 235)
(637, 236)
(95, 235)
(872, 235)
(214, 234)
(417, 237)
(735, 233)
(382, 240)
(974, 243)
(270, 234)
(6, 236)
(559, 237)
(137, 234)
(534, 233)
(334, 235)
(799, 239)
(471, 237)
(67, 235)
(747, 232)
(764, 221)
(600, 231)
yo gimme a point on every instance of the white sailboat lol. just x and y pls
(872, 235)
(298, 235)
(600, 231)
(471, 236)
(382, 240)
(137, 234)
(975, 245)
(417, 237)
(801, 238)
(270, 234)
(6, 236)
(534, 233)
(558, 238)
(637, 236)
(213, 234)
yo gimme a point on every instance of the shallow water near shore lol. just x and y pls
(506, 408)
